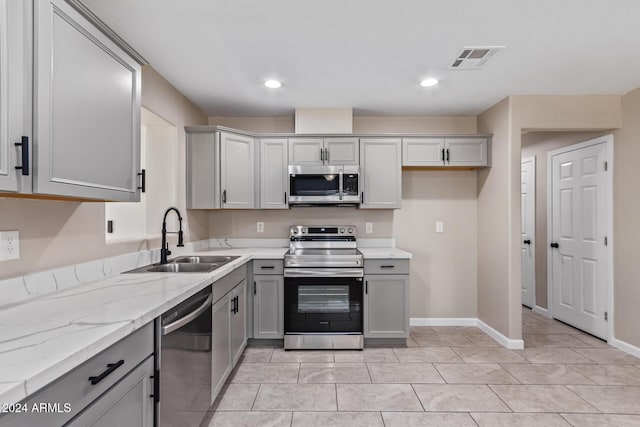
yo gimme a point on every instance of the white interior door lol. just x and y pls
(528, 228)
(578, 251)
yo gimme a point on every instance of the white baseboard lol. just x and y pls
(502, 339)
(443, 321)
(468, 321)
(626, 347)
(540, 310)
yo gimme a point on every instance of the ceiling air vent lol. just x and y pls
(474, 57)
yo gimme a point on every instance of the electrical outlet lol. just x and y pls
(368, 227)
(260, 227)
(439, 227)
(9, 245)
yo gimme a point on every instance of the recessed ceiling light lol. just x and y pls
(273, 84)
(429, 82)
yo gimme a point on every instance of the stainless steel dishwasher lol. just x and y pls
(185, 362)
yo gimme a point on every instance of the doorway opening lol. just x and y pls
(539, 145)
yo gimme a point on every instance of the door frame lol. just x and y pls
(533, 238)
(608, 141)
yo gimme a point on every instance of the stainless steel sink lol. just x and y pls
(205, 259)
(175, 267)
(187, 264)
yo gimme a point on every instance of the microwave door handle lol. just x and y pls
(341, 184)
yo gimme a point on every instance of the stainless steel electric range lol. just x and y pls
(323, 295)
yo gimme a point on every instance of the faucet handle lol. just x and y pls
(167, 251)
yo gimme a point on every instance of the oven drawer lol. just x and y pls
(386, 266)
(268, 266)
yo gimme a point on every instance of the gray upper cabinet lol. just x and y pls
(324, 151)
(86, 109)
(447, 151)
(423, 152)
(342, 151)
(203, 172)
(237, 166)
(460, 151)
(273, 173)
(15, 83)
(381, 172)
(306, 151)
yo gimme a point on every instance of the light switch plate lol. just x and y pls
(9, 245)
(368, 227)
(260, 227)
(439, 227)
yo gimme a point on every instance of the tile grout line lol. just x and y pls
(418, 397)
(500, 398)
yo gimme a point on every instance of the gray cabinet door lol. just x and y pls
(273, 173)
(306, 151)
(386, 306)
(466, 151)
(220, 344)
(268, 306)
(381, 172)
(128, 403)
(237, 179)
(342, 151)
(203, 170)
(15, 83)
(86, 109)
(423, 152)
(239, 321)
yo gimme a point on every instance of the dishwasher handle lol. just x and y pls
(188, 318)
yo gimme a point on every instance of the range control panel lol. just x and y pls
(323, 230)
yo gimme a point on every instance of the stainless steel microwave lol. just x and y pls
(324, 185)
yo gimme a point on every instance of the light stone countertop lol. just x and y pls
(47, 336)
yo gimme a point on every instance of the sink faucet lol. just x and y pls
(164, 250)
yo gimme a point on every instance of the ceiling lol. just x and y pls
(372, 54)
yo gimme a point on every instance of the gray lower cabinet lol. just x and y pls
(229, 328)
(86, 109)
(386, 298)
(15, 79)
(125, 404)
(268, 306)
(273, 173)
(113, 388)
(221, 339)
(381, 173)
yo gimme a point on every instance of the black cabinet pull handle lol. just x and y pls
(224, 196)
(362, 197)
(233, 303)
(448, 156)
(526, 242)
(366, 286)
(442, 155)
(554, 245)
(143, 180)
(254, 288)
(285, 197)
(24, 144)
(156, 386)
(387, 266)
(322, 155)
(237, 309)
(110, 368)
(267, 267)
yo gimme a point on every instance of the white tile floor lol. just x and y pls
(447, 376)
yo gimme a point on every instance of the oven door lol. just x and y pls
(323, 305)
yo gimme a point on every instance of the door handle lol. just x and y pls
(143, 181)
(255, 290)
(110, 368)
(442, 155)
(322, 154)
(24, 144)
(366, 287)
(188, 318)
(526, 242)
(326, 154)
(448, 156)
(224, 196)
(554, 245)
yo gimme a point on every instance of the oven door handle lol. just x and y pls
(188, 318)
(323, 272)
